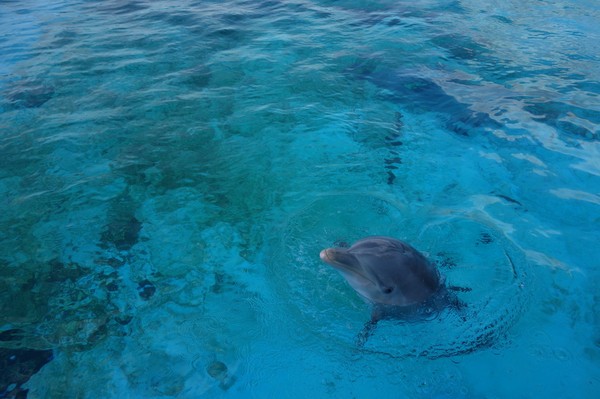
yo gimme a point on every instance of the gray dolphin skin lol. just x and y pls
(385, 271)
(396, 278)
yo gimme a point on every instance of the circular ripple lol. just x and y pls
(486, 269)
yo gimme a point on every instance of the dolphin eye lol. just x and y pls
(388, 290)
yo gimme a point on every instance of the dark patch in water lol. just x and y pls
(112, 287)
(29, 95)
(394, 21)
(16, 368)
(110, 281)
(14, 334)
(469, 122)
(228, 33)
(218, 370)
(146, 289)
(393, 161)
(225, 282)
(423, 95)
(502, 19)
(182, 19)
(445, 261)
(64, 38)
(112, 262)
(61, 272)
(198, 77)
(362, 68)
(391, 177)
(509, 199)
(217, 287)
(63, 297)
(122, 232)
(222, 282)
(124, 319)
(485, 238)
(460, 47)
(459, 289)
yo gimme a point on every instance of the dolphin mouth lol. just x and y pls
(333, 258)
(337, 260)
(325, 256)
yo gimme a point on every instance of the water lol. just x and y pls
(170, 171)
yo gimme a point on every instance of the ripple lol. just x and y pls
(473, 256)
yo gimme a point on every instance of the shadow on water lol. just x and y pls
(420, 94)
(27, 93)
(487, 270)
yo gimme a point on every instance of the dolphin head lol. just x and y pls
(385, 271)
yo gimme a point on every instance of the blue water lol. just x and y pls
(169, 172)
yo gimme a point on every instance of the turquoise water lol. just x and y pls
(169, 172)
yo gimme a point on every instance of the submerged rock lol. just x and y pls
(146, 289)
(122, 232)
(16, 368)
(218, 370)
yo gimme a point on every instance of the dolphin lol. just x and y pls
(393, 276)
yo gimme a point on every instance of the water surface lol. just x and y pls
(170, 171)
